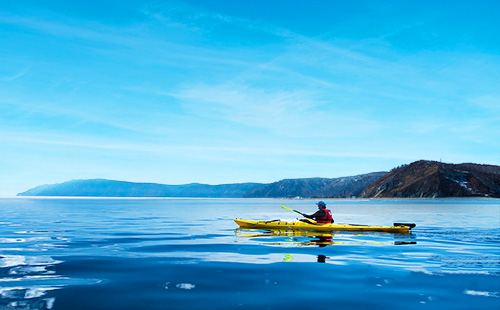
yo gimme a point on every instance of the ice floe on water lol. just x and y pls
(182, 286)
(20, 260)
(482, 293)
(25, 292)
(186, 286)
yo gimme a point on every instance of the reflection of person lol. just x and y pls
(322, 216)
(323, 241)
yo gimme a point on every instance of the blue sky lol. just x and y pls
(216, 92)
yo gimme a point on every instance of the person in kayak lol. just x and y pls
(322, 216)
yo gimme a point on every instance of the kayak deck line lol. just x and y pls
(311, 225)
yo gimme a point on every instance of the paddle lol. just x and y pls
(290, 209)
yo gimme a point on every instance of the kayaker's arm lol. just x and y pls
(319, 213)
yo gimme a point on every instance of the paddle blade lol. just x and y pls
(287, 207)
(290, 209)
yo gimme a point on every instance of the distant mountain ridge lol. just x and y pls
(112, 188)
(304, 188)
(316, 187)
(421, 179)
(431, 179)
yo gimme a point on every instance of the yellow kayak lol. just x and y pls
(402, 228)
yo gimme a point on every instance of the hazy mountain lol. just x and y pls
(313, 187)
(110, 188)
(418, 179)
(436, 179)
(316, 187)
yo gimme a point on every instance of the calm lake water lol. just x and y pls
(189, 254)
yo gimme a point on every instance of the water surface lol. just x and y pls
(189, 254)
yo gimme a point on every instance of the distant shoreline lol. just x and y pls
(420, 179)
(229, 198)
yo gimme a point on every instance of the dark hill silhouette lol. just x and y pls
(431, 179)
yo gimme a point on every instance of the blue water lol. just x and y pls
(189, 254)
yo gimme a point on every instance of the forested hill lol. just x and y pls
(316, 187)
(435, 179)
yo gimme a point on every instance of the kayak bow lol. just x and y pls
(312, 225)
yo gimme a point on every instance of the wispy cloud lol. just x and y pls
(70, 114)
(488, 101)
(220, 153)
(15, 76)
(299, 113)
(69, 28)
(194, 18)
(145, 39)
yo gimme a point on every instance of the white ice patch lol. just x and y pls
(482, 293)
(185, 286)
(12, 240)
(34, 293)
(50, 302)
(20, 260)
(182, 286)
(445, 272)
(12, 260)
(24, 270)
(24, 292)
(464, 185)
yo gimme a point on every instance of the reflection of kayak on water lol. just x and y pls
(322, 238)
(308, 224)
(255, 233)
